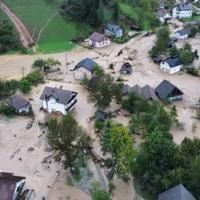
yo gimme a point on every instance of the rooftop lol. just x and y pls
(61, 96)
(97, 37)
(8, 184)
(184, 7)
(112, 27)
(184, 31)
(178, 192)
(162, 12)
(18, 102)
(87, 63)
(126, 67)
(173, 62)
(165, 88)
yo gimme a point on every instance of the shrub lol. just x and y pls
(192, 71)
(34, 77)
(24, 86)
(99, 125)
(6, 110)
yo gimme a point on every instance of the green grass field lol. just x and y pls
(57, 35)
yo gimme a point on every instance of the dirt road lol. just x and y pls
(25, 36)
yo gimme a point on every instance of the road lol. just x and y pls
(25, 36)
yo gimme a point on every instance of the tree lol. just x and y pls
(24, 86)
(100, 87)
(194, 176)
(187, 46)
(116, 11)
(173, 51)
(155, 160)
(68, 141)
(97, 193)
(186, 57)
(8, 37)
(162, 39)
(117, 142)
(83, 10)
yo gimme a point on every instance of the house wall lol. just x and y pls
(51, 105)
(24, 109)
(81, 72)
(176, 98)
(103, 43)
(180, 37)
(181, 14)
(166, 68)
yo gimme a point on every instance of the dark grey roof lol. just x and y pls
(149, 93)
(126, 90)
(173, 62)
(146, 92)
(166, 89)
(112, 27)
(8, 184)
(87, 63)
(100, 115)
(162, 12)
(97, 37)
(126, 67)
(18, 102)
(178, 192)
(61, 96)
(184, 7)
(137, 90)
(184, 32)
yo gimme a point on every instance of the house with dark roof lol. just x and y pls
(149, 93)
(182, 34)
(126, 68)
(10, 186)
(163, 15)
(113, 30)
(146, 92)
(98, 40)
(84, 68)
(19, 104)
(171, 65)
(166, 91)
(137, 90)
(100, 116)
(126, 90)
(178, 192)
(58, 100)
(183, 10)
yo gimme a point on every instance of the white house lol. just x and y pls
(58, 100)
(182, 34)
(84, 68)
(19, 104)
(182, 11)
(10, 186)
(113, 30)
(171, 65)
(98, 40)
(163, 15)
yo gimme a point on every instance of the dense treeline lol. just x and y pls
(8, 37)
(131, 12)
(160, 163)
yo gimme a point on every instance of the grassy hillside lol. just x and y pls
(57, 34)
(52, 33)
